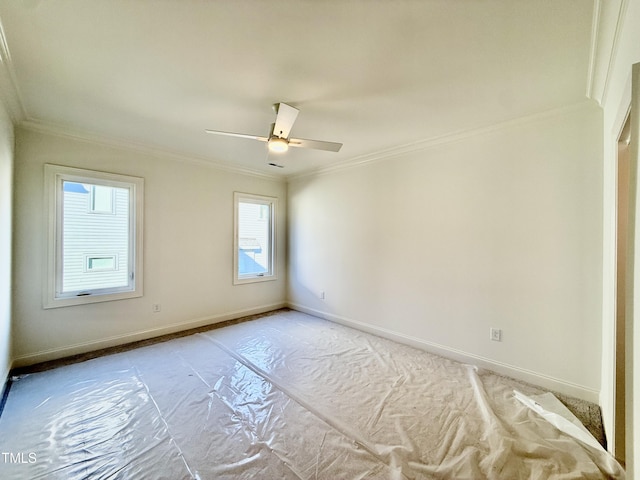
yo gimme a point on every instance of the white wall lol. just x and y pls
(6, 200)
(188, 250)
(501, 228)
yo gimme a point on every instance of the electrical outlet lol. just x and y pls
(156, 307)
(322, 295)
(495, 334)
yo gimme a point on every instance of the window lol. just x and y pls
(254, 238)
(94, 236)
(102, 262)
(102, 199)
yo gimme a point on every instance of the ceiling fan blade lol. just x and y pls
(285, 118)
(315, 144)
(241, 135)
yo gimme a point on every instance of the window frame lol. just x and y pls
(54, 178)
(272, 203)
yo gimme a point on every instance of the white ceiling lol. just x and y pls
(372, 74)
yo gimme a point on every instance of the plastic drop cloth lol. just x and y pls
(284, 396)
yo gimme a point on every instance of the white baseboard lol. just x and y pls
(529, 376)
(84, 347)
(542, 380)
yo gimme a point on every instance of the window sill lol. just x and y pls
(88, 299)
(254, 279)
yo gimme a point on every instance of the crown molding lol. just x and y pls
(9, 91)
(86, 137)
(593, 48)
(426, 144)
(354, 162)
(607, 29)
(614, 48)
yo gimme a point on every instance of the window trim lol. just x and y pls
(272, 202)
(54, 176)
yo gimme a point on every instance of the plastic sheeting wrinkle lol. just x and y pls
(501, 443)
(251, 426)
(166, 425)
(318, 456)
(343, 429)
(379, 408)
(197, 374)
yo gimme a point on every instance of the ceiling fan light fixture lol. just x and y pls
(278, 145)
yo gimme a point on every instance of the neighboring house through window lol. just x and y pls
(95, 236)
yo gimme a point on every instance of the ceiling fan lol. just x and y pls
(278, 140)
